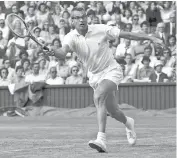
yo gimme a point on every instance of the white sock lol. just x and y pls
(101, 136)
(128, 125)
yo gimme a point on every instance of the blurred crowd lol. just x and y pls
(21, 59)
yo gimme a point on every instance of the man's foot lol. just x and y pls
(131, 135)
(99, 145)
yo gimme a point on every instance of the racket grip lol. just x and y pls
(46, 48)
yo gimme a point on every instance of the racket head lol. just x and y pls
(17, 25)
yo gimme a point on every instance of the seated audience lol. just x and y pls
(4, 81)
(35, 76)
(145, 72)
(74, 78)
(172, 45)
(158, 75)
(54, 79)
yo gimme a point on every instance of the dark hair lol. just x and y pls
(129, 11)
(148, 47)
(39, 7)
(166, 49)
(172, 36)
(66, 12)
(144, 23)
(4, 69)
(5, 60)
(56, 39)
(23, 52)
(22, 13)
(30, 7)
(19, 67)
(91, 12)
(24, 60)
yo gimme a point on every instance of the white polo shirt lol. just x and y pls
(93, 49)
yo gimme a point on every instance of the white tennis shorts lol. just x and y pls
(113, 73)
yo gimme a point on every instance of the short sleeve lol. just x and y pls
(68, 40)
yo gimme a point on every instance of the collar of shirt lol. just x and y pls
(78, 34)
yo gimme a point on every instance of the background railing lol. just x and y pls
(140, 95)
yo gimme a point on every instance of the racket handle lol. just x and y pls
(46, 48)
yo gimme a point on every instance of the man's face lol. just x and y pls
(147, 52)
(37, 32)
(4, 73)
(2, 23)
(163, 60)
(14, 9)
(128, 59)
(7, 64)
(128, 28)
(161, 28)
(75, 71)
(19, 72)
(135, 19)
(36, 69)
(53, 72)
(159, 68)
(95, 20)
(172, 41)
(80, 20)
(31, 11)
(144, 28)
(146, 63)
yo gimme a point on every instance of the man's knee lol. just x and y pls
(100, 97)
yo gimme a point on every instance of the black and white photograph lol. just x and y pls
(88, 79)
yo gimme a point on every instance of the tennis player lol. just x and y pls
(104, 73)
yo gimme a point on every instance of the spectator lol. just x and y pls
(135, 23)
(19, 75)
(144, 27)
(128, 16)
(148, 53)
(170, 61)
(54, 79)
(30, 16)
(26, 66)
(63, 69)
(130, 69)
(71, 60)
(90, 15)
(66, 16)
(35, 76)
(93, 6)
(166, 11)
(165, 69)
(52, 34)
(15, 46)
(153, 16)
(170, 27)
(23, 55)
(43, 68)
(123, 49)
(158, 52)
(119, 23)
(172, 45)
(45, 31)
(128, 27)
(2, 14)
(74, 78)
(11, 71)
(158, 75)
(4, 29)
(142, 15)
(4, 81)
(145, 72)
(57, 15)
(42, 15)
(24, 8)
(95, 20)
(160, 33)
(133, 7)
(3, 45)
(63, 29)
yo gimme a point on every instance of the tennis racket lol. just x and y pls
(18, 26)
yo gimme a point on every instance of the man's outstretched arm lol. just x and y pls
(140, 36)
